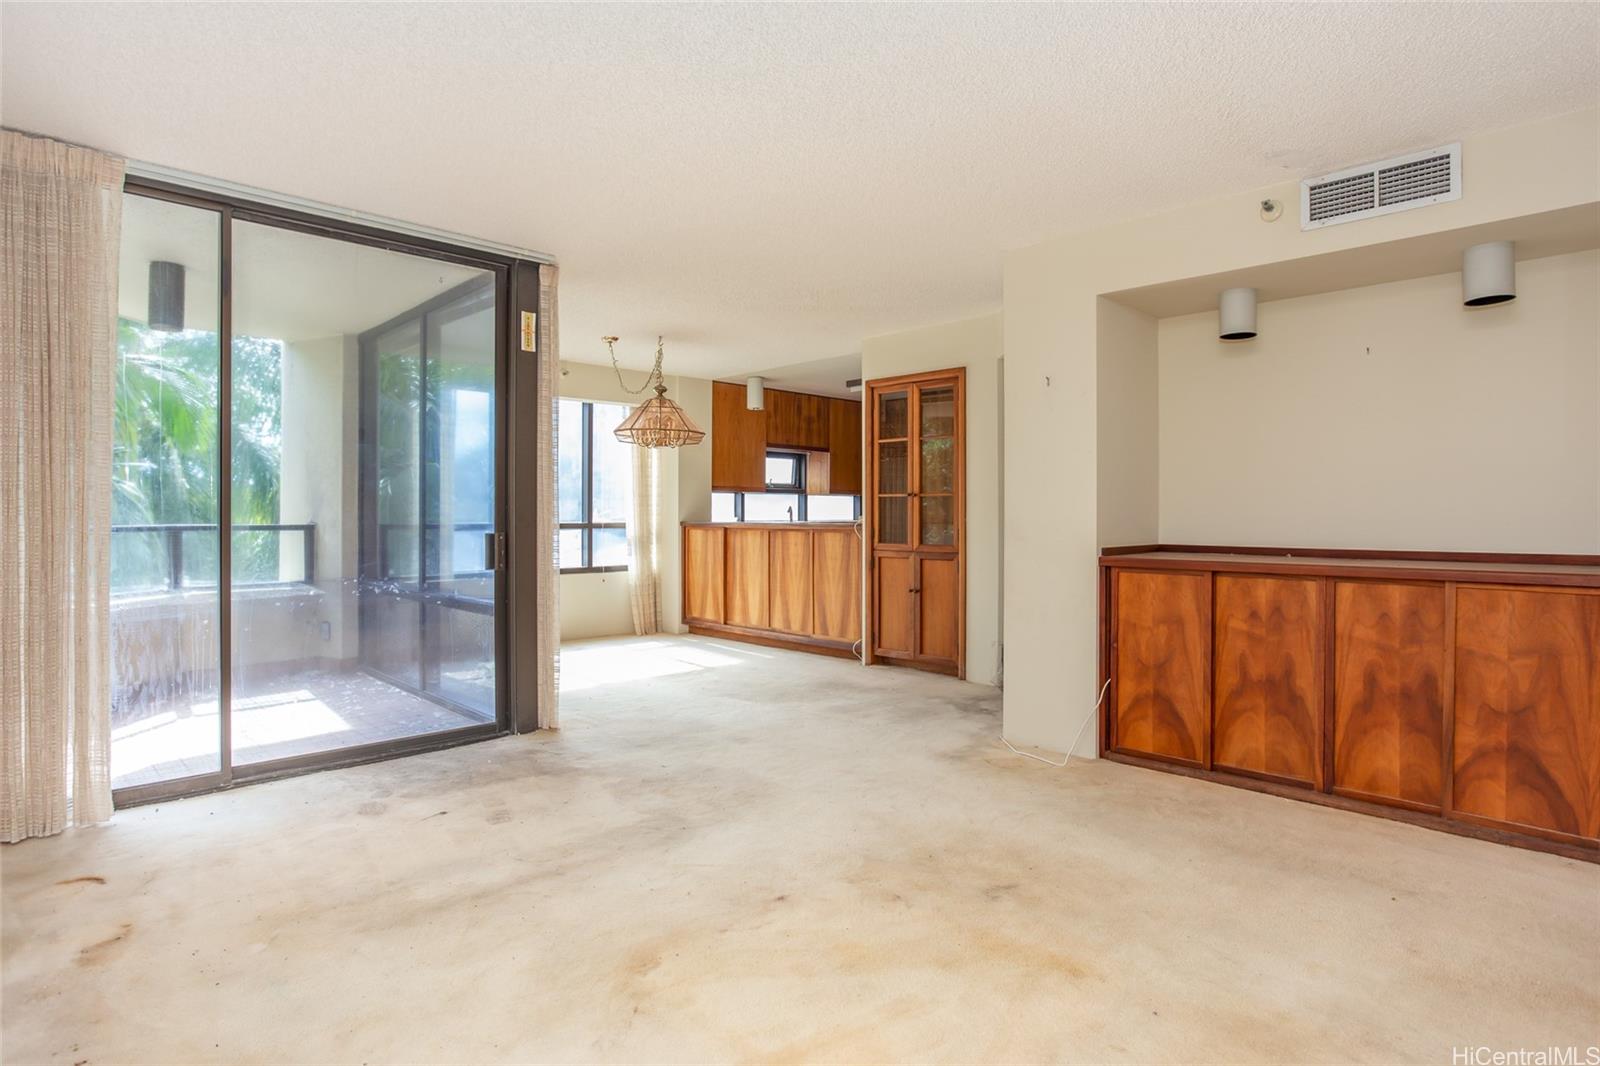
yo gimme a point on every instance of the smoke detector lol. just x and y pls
(1382, 188)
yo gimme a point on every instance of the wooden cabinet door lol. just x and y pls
(738, 441)
(1527, 709)
(836, 584)
(789, 580)
(1267, 689)
(702, 574)
(1161, 702)
(1388, 692)
(746, 568)
(938, 611)
(844, 447)
(895, 631)
(796, 420)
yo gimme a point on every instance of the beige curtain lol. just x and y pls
(59, 239)
(549, 585)
(644, 579)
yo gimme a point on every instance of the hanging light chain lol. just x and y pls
(655, 377)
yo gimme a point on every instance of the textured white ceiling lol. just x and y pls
(768, 185)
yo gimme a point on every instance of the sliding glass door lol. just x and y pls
(348, 429)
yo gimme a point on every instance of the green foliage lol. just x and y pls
(164, 453)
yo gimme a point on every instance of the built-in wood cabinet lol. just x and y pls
(795, 585)
(915, 520)
(738, 441)
(1390, 642)
(1457, 692)
(1266, 693)
(1162, 703)
(826, 428)
(796, 420)
(1526, 745)
(844, 448)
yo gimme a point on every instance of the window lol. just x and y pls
(773, 507)
(833, 508)
(594, 484)
(786, 472)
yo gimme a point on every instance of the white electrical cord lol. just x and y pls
(1081, 728)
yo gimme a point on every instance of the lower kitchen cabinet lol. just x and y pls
(795, 585)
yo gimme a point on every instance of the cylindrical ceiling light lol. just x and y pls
(755, 394)
(1488, 274)
(1236, 314)
(166, 297)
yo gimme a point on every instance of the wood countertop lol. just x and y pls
(1577, 571)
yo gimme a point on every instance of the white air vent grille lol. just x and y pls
(1382, 188)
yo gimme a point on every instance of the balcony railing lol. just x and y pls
(172, 537)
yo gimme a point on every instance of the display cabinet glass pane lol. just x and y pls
(938, 465)
(892, 468)
(938, 409)
(892, 519)
(937, 522)
(892, 415)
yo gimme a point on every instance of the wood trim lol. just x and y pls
(1540, 559)
(1396, 570)
(1130, 549)
(1448, 685)
(770, 639)
(1329, 699)
(1534, 558)
(1582, 851)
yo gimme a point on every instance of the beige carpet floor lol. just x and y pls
(738, 854)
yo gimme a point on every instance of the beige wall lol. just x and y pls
(1126, 382)
(1053, 494)
(974, 343)
(597, 605)
(1390, 417)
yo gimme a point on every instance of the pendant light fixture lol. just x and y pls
(755, 394)
(166, 297)
(1488, 274)
(658, 422)
(1236, 314)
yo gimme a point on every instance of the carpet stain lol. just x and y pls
(101, 951)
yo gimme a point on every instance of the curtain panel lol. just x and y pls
(549, 584)
(58, 277)
(644, 579)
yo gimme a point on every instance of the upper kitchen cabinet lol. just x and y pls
(738, 441)
(797, 420)
(844, 447)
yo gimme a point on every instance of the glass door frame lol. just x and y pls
(230, 208)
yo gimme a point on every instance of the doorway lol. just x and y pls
(308, 496)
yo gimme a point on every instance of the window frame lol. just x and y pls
(798, 485)
(588, 525)
(802, 512)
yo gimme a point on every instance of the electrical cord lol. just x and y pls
(1065, 758)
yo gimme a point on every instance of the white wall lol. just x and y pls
(974, 343)
(1053, 495)
(1391, 417)
(597, 605)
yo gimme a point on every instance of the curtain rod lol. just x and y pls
(201, 183)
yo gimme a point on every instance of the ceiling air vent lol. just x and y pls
(1382, 188)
